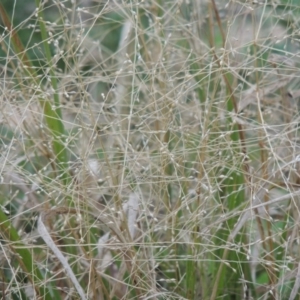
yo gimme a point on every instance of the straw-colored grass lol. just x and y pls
(149, 150)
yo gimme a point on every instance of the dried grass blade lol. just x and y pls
(42, 230)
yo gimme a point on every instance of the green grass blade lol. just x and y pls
(24, 257)
(53, 114)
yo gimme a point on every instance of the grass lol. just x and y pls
(149, 151)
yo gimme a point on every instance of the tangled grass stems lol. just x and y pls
(161, 137)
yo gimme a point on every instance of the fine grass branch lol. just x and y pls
(162, 138)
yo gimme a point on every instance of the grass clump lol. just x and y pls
(149, 150)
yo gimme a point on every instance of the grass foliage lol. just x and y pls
(149, 149)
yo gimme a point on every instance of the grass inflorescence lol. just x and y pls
(149, 150)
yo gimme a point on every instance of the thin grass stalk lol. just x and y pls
(192, 249)
(294, 183)
(234, 186)
(190, 273)
(269, 248)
